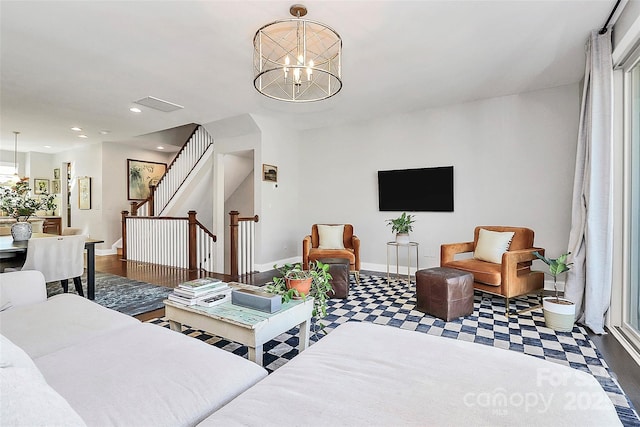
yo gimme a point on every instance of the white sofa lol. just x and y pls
(362, 374)
(67, 361)
(90, 365)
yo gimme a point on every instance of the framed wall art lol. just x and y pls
(40, 186)
(56, 173)
(84, 192)
(55, 186)
(269, 173)
(140, 174)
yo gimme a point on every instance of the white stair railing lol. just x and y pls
(180, 168)
(170, 241)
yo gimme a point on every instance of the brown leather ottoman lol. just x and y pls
(446, 293)
(339, 270)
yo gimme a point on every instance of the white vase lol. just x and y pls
(559, 316)
(402, 238)
(21, 231)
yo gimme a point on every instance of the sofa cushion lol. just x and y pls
(25, 397)
(21, 288)
(484, 272)
(387, 376)
(331, 236)
(316, 253)
(173, 379)
(491, 245)
(59, 322)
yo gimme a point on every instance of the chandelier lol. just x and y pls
(297, 60)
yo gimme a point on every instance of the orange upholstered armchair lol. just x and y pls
(332, 241)
(501, 261)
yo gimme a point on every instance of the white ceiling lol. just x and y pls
(83, 63)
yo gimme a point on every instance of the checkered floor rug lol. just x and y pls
(374, 300)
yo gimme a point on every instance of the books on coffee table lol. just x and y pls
(202, 283)
(206, 294)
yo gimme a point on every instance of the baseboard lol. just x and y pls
(548, 285)
(268, 267)
(104, 252)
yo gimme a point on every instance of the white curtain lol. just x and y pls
(591, 238)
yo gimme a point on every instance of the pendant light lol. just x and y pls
(15, 178)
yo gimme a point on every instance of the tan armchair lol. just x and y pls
(512, 278)
(351, 251)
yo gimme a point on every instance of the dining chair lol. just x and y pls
(58, 258)
(71, 231)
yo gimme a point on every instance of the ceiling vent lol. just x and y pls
(158, 104)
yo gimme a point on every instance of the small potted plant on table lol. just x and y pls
(559, 313)
(19, 204)
(402, 226)
(298, 283)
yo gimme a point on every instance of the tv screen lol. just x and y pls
(417, 190)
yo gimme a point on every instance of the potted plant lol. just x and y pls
(50, 204)
(402, 226)
(559, 313)
(16, 201)
(318, 279)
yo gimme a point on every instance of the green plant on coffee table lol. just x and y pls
(556, 266)
(402, 224)
(320, 285)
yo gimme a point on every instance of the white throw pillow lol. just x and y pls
(492, 244)
(331, 236)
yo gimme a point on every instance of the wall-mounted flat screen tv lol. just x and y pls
(417, 190)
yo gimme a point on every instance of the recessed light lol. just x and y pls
(76, 128)
(83, 136)
(135, 110)
(47, 146)
(160, 147)
(104, 132)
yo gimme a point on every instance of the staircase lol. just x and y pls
(191, 153)
(183, 242)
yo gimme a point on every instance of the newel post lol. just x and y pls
(124, 233)
(134, 208)
(233, 242)
(193, 223)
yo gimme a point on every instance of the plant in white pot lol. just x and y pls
(559, 313)
(402, 226)
(19, 204)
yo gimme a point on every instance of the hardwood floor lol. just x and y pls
(625, 368)
(167, 276)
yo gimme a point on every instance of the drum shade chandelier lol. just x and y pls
(297, 60)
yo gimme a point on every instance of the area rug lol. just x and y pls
(374, 300)
(121, 294)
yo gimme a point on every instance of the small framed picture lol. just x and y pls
(84, 192)
(269, 173)
(55, 186)
(40, 186)
(56, 173)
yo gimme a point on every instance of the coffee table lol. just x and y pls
(249, 327)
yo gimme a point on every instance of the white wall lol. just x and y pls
(281, 228)
(513, 159)
(85, 161)
(114, 186)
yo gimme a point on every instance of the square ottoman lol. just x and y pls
(339, 270)
(446, 293)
